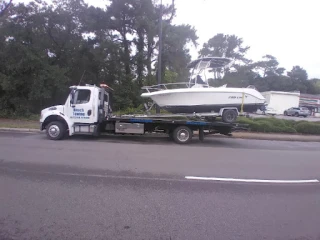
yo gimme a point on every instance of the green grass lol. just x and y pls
(19, 123)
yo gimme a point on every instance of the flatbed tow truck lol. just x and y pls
(87, 111)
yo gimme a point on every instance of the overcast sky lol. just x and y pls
(286, 29)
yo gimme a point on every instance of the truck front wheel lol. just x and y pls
(55, 130)
(182, 135)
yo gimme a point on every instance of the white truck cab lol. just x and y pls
(84, 108)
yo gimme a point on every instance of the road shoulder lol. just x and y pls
(276, 136)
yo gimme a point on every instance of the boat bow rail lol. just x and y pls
(166, 86)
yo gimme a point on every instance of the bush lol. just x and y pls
(289, 130)
(273, 121)
(290, 123)
(308, 128)
(269, 125)
(260, 127)
(243, 120)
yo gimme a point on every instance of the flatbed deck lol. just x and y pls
(171, 121)
(174, 127)
(198, 119)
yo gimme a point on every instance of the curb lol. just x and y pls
(235, 135)
(19, 130)
(276, 137)
(268, 137)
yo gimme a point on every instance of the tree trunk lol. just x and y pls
(126, 52)
(140, 58)
(149, 56)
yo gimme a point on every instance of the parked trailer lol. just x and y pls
(87, 112)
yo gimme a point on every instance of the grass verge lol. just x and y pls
(19, 123)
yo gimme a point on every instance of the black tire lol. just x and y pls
(296, 114)
(182, 135)
(201, 134)
(97, 131)
(305, 116)
(56, 130)
(171, 135)
(285, 113)
(229, 116)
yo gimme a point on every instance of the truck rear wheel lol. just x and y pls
(55, 130)
(201, 134)
(171, 135)
(182, 135)
(229, 115)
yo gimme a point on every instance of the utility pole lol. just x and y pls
(160, 52)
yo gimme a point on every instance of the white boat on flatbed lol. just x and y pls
(196, 96)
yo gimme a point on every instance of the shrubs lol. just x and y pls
(273, 121)
(274, 125)
(290, 130)
(308, 128)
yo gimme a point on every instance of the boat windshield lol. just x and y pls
(203, 66)
(198, 74)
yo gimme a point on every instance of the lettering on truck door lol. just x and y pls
(81, 111)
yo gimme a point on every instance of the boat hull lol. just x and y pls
(207, 100)
(249, 108)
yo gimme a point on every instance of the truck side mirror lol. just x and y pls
(72, 94)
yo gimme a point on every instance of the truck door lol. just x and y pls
(103, 108)
(81, 107)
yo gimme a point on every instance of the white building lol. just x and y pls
(281, 101)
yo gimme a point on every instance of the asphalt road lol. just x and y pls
(135, 188)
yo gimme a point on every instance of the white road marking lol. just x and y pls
(250, 180)
(159, 178)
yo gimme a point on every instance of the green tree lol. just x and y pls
(269, 66)
(316, 82)
(175, 52)
(4, 7)
(229, 46)
(298, 73)
(27, 77)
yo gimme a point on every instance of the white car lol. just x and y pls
(268, 111)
